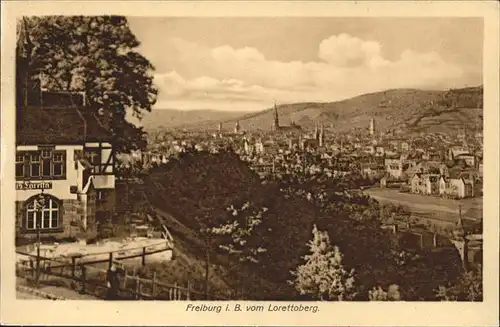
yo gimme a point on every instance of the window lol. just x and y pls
(101, 159)
(94, 157)
(43, 164)
(46, 163)
(19, 165)
(44, 216)
(58, 164)
(34, 165)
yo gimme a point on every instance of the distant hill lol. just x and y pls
(405, 109)
(409, 110)
(171, 118)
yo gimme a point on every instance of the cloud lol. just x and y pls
(347, 51)
(245, 54)
(346, 66)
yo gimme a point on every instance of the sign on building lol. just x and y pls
(33, 186)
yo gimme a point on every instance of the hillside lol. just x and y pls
(406, 109)
(179, 118)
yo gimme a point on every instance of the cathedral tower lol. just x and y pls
(276, 122)
(372, 126)
(321, 135)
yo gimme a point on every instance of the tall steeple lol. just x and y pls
(316, 132)
(321, 135)
(276, 123)
(372, 126)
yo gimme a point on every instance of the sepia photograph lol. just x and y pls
(284, 160)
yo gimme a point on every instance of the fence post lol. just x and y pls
(73, 266)
(125, 280)
(32, 268)
(110, 259)
(143, 256)
(188, 290)
(84, 278)
(154, 284)
(137, 287)
(38, 265)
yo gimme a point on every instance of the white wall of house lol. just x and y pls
(442, 186)
(104, 181)
(394, 167)
(460, 187)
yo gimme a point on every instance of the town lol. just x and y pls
(448, 166)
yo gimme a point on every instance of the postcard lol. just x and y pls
(250, 163)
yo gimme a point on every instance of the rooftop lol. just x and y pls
(58, 125)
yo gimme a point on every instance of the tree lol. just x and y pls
(379, 294)
(468, 288)
(240, 231)
(239, 237)
(200, 187)
(323, 276)
(95, 55)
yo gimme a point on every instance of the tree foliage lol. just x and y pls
(96, 55)
(323, 275)
(240, 232)
(263, 227)
(379, 294)
(468, 288)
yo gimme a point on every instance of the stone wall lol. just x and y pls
(70, 211)
(107, 202)
(91, 213)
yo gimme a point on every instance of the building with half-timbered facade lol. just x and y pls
(64, 166)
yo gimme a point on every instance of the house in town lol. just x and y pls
(380, 151)
(64, 168)
(387, 181)
(426, 184)
(469, 159)
(394, 167)
(372, 170)
(457, 185)
(456, 150)
(405, 146)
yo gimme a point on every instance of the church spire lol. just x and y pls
(372, 126)
(321, 135)
(276, 123)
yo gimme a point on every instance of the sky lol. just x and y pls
(249, 63)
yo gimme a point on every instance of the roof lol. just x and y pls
(58, 125)
(454, 173)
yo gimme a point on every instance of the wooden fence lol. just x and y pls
(85, 278)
